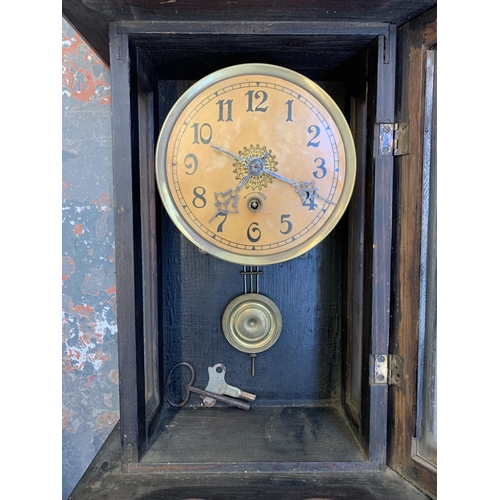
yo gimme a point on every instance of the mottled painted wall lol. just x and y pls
(89, 345)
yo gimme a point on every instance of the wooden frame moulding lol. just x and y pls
(130, 274)
(415, 38)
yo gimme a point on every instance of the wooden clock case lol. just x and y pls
(317, 398)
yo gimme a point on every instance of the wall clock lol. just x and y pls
(255, 164)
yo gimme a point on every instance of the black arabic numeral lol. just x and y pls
(229, 106)
(284, 220)
(199, 134)
(289, 115)
(220, 226)
(260, 94)
(313, 129)
(199, 200)
(309, 202)
(191, 162)
(254, 230)
(321, 167)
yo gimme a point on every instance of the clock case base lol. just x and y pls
(106, 480)
(151, 63)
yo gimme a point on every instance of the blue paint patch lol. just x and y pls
(90, 398)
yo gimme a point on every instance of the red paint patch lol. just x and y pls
(86, 90)
(78, 229)
(90, 378)
(80, 83)
(83, 310)
(84, 340)
(74, 354)
(65, 185)
(97, 337)
(103, 200)
(111, 258)
(72, 47)
(111, 290)
(99, 355)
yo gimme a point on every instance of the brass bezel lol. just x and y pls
(266, 70)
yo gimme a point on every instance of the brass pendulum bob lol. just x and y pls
(252, 323)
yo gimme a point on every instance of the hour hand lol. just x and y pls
(227, 202)
(228, 153)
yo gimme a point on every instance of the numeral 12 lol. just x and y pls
(260, 94)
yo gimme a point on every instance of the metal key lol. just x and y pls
(217, 384)
(189, 389)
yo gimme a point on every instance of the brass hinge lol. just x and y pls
(387, 369)
(394, 139)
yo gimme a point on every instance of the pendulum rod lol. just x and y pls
(251, 285)
(251, 279)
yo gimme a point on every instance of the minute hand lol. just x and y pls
(228, 153)
(280, 177)
(306, 190)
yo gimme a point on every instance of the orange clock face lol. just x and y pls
(255, 164)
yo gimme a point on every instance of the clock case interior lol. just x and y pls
(316, 408)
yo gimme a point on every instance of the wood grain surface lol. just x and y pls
(415, 37)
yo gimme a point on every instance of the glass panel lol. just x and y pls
(149, 257)
(356, 238)
(427, 404)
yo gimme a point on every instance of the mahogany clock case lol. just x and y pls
(315, 405)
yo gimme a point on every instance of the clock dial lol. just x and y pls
(255, 164)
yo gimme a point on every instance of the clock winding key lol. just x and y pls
(203, 393)
(218, 385)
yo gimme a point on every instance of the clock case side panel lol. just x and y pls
(378, 245)
(128, 268)
(368, 269)
(134, 422)
(150, 209)
(137, 264)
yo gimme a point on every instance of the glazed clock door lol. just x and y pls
(413, 412)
